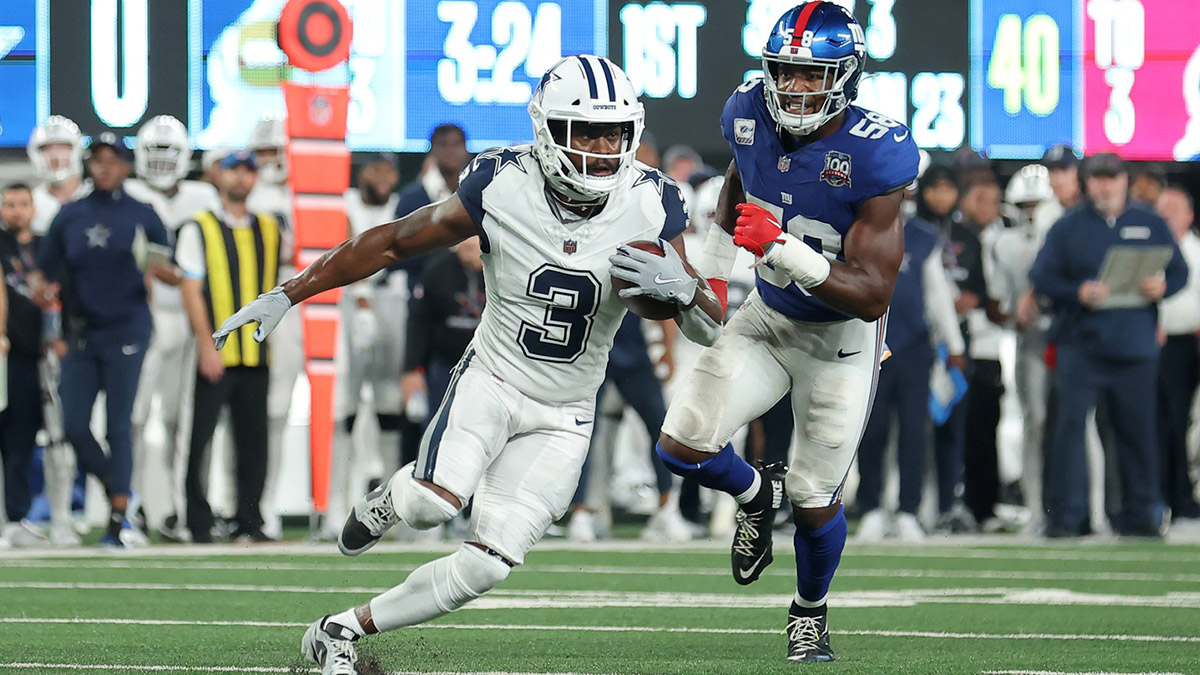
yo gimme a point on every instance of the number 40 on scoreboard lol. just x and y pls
(1102, 75)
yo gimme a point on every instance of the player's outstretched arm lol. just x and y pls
(427, 229)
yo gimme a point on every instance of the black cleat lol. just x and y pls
(370, 518)
(751, 551)
(808, 636)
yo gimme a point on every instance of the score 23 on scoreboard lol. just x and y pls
(1104, 75)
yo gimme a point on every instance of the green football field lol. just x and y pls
(991, 606)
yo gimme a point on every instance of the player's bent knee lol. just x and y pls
(476, 571)
(420, 507)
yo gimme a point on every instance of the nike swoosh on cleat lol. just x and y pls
(748, 572)
(846, 355)
(579, 422)
(658, 279)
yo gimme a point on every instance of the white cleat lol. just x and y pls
(370, 519)
(875, 525)
(25, 534)
(582, 528)
(331, 646)
(668, 525)
(908, 528)
(64, 536)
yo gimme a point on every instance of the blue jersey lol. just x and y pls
(816, 190)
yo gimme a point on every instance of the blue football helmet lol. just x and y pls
(820, 35)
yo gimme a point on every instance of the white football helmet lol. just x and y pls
(162, 155)
(51, 161)
(1030, 185)
(583, 89)
(270, 134)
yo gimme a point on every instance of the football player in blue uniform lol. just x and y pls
(814, 191)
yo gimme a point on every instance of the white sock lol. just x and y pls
(751, 492)
(807, 604)
(349, 619)
(437, 588)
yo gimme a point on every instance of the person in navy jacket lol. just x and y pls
(1104, 352)
(95, 252)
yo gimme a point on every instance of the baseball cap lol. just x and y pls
(110, 140)
(1060, 156)
(1104, 164)
(240, 158)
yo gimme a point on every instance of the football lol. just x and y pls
(641, 305)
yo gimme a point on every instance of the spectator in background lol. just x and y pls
(647, 152)
(980, 213)
(213, 250)
(210, 163)
(1014, 250)
(447, 158)
(1179, 364)
(681, 163)
(922, 313)
(1109, 353)
(90, 252)
(1063, 164)
(1147, 185)
(442, 317)
(21, 340)
(937, 195)
(371, 349)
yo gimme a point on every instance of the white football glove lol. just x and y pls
(266, 310)
(661, 278)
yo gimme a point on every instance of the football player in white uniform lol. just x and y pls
(161, 159)
(56, 151)
(513, 429)
(374, 312)
(268, 141)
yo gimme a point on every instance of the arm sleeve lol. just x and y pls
(939, 303)
(1049, 272)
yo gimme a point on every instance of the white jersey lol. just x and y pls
(46, 206)
(364, 216)
(551, 312)
(174, 210)
(277, 201)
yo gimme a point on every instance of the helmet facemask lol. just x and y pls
(162, 166)
(837, 75)
(554, 152)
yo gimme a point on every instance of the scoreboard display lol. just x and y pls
(1008, 77)
(1103, 75)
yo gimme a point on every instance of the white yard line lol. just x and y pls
(996, 548)
(1064, 672)
(609, 570)
(235, 669)
(559, 599)
(1186, 639)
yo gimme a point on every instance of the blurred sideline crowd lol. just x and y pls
(118, 266)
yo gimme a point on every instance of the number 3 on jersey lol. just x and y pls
(574, 298)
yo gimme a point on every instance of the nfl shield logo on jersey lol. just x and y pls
(743, 131)
(837, 169)
(570, 246)
(784, 164)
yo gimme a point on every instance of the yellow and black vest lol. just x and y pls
(242, 263)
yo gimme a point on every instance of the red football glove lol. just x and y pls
(756, 229)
